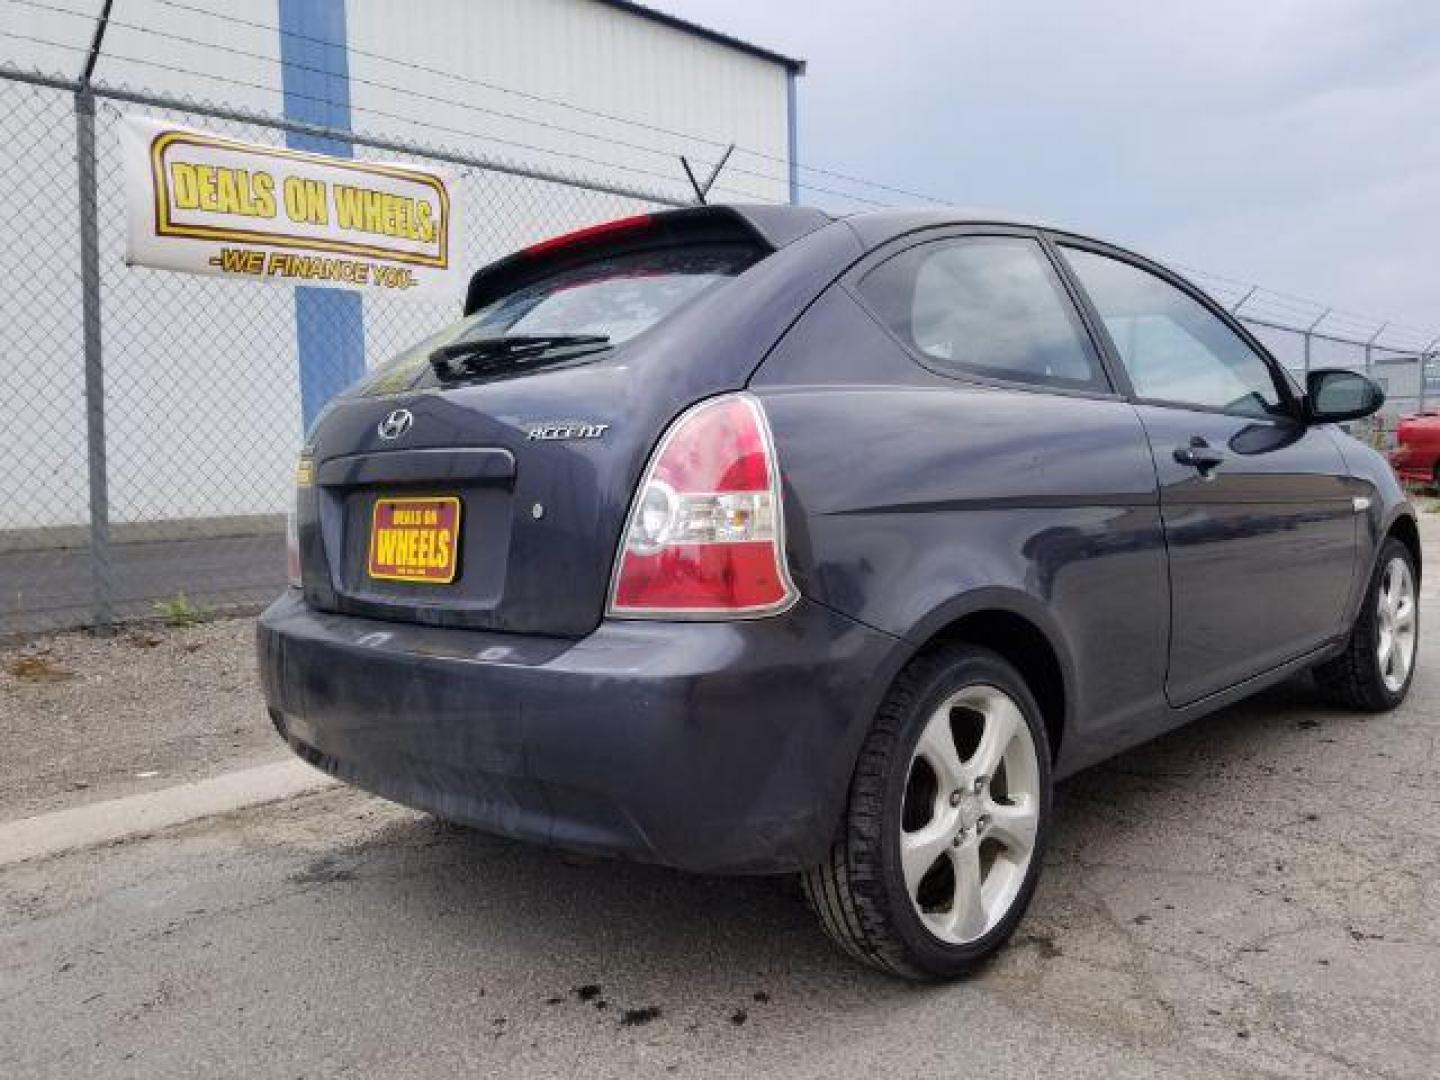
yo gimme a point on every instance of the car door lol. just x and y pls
(1259, 522)
(954, 445)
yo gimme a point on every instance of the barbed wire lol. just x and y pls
(719, 144)
(1256, 301)
(670, 178)
(1300, 307)
(409, 91)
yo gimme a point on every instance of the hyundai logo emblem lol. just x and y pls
(396, 424)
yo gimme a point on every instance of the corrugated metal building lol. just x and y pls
(541, 75)
(607, 90)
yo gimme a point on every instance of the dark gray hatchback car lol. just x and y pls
(748, 540)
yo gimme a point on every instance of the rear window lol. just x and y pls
(618, 297)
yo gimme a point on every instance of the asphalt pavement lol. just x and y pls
(1255, 895)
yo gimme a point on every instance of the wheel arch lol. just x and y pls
(1405, 529)
(1018, 629)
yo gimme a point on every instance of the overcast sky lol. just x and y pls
(1292, 142)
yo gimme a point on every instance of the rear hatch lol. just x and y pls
(481, 478)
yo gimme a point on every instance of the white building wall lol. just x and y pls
(201, 374)
(203, 411)
(190, 362)
(498, 78)
(580, 52)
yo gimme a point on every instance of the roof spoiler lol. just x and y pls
(771, 226)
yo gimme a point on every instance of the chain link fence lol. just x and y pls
(1396, 367)
(1304, 335)
(154, 417)
(151, 460)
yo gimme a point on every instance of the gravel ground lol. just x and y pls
(84, 718)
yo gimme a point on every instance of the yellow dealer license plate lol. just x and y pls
(415, 539)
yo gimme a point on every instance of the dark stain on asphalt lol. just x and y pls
(323, 871)
(588, 992)
(636, 1017)
(1045, 945)
(739, 1016)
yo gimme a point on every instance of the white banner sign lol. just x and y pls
(207, 204)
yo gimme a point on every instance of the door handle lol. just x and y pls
(1199, 455)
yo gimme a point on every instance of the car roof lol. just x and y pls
(874, 227)
(877, 226)
(781, 223)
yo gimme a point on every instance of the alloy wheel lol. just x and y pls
(971, 814)
(1395, 620)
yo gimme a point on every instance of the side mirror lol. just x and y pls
(1333, 395)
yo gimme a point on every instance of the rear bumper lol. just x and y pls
(718, 747)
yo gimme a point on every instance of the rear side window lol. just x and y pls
(989, 306)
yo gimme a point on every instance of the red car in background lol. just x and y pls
(1416, 456)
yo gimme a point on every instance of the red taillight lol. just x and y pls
(705, 537)
(592, 232)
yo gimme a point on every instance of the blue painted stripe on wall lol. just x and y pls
(315, 76)
(793, 137)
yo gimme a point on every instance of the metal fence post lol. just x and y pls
(100, 565)
(1370, 345)
(101, 576)
(1426, 355)
(1420, 390)
(1312, 328)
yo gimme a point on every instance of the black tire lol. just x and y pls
(859, 892)
(1354, 678)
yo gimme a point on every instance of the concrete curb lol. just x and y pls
(119, 819)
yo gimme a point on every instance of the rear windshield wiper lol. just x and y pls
(490, 355)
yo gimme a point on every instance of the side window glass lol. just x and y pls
(990, 306)
(1172, 346)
